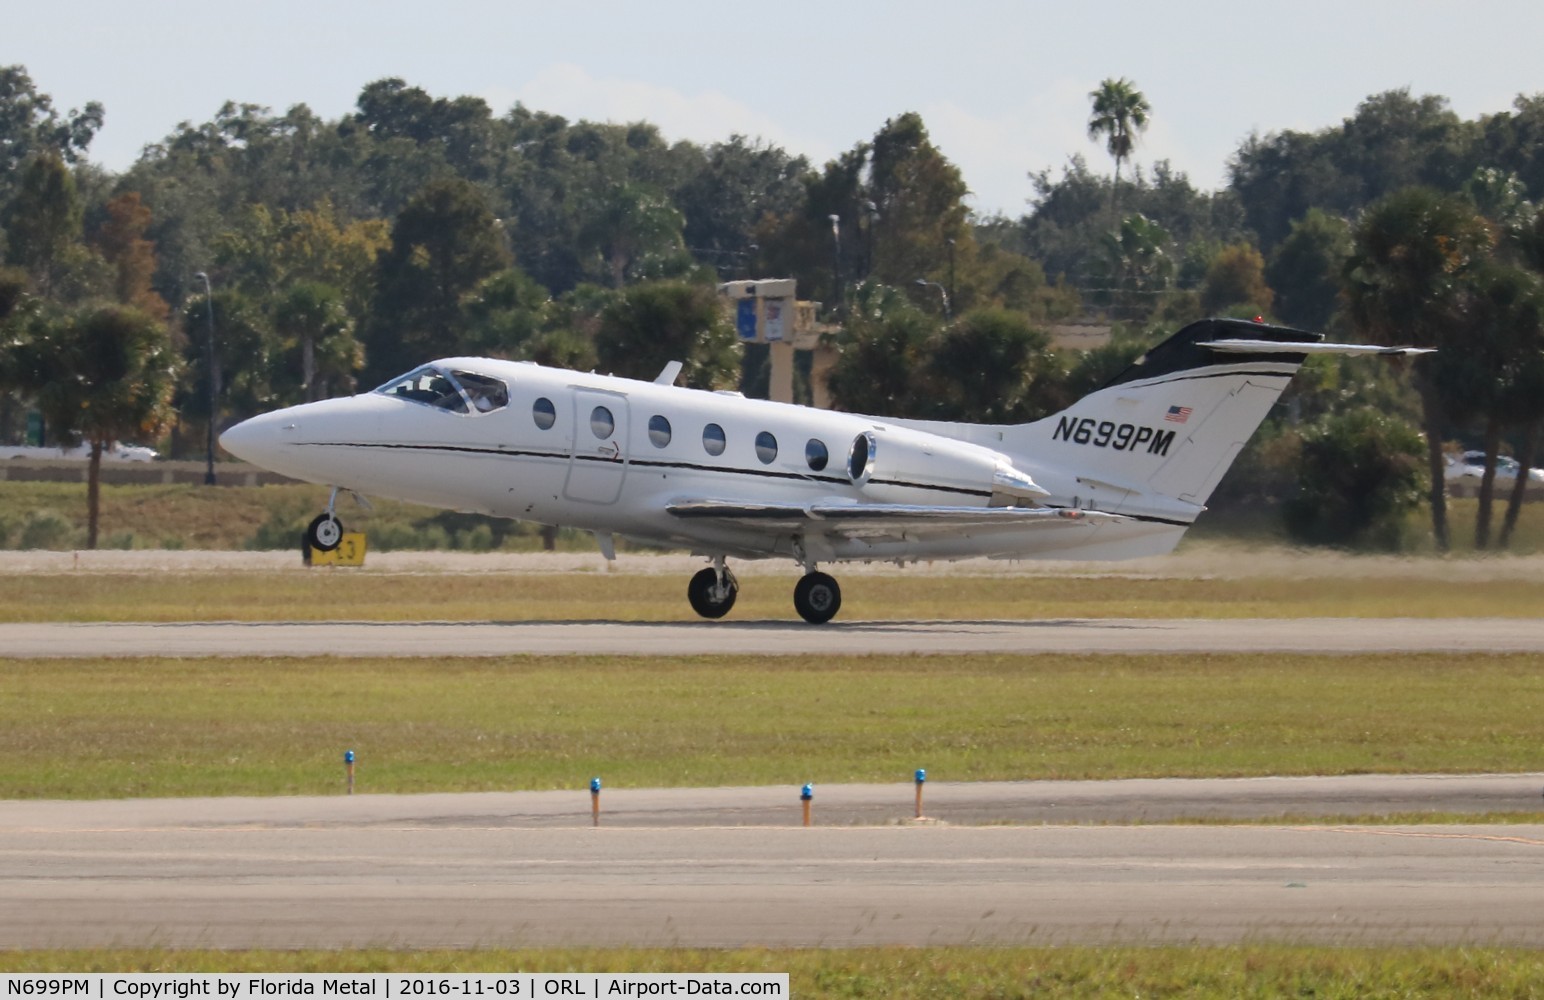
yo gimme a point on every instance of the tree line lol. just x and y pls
(338, 253)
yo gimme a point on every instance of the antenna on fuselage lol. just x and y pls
(668, 374)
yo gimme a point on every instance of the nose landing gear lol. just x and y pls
(325, 531)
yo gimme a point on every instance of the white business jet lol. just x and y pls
(1119, 474)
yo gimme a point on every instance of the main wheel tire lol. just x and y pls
(817, 598)
(701, 593)
(324, 532)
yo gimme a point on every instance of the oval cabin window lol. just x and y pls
(815, 455)
(766, 448)
(659, 431)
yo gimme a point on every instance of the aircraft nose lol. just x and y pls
(259, 439)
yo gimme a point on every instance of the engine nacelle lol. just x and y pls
(896, 465)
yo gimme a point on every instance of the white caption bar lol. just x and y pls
(389, 986)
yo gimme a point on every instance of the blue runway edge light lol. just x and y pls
(807, 792)
(595, 784)
(348, 756)
(921, 775)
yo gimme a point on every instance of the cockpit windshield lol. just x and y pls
(486, 392)
(457, 390)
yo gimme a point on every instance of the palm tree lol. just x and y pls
(1528, 379)
(103, 375)
(1135, 266)
(313, 317)
(1495, 377)
(1120, 112)
(1408, 281)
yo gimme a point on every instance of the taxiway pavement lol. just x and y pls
(446, 871)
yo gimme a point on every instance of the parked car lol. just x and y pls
(1470, 466)
(112, 453)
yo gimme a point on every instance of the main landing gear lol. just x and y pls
(816, 597)
(713, 590)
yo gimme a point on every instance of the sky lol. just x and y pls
(1002, 86)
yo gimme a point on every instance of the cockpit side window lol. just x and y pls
(427, 385)
(486, 392)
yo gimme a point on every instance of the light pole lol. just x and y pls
(942, 291)
(951, 269)
(872, 210)
(214, 379)
(836, 259)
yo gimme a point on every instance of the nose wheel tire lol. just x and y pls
(709, 599)
(324, 532)
(817, 598)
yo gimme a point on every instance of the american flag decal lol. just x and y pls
(1178, 414)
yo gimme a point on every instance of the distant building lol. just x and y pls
(768, 311)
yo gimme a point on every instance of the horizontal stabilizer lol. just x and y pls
(1238, 346)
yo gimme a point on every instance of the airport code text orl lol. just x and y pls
(388, 986)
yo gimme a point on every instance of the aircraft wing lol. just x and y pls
(860, 520)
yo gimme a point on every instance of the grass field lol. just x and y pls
(914, 973)
(167, 727)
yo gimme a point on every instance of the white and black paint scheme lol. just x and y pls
(1119, 474)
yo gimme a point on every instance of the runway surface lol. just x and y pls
(439, 639)
(455, 871)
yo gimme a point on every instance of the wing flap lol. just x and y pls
(859, 519)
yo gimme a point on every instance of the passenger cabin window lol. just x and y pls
(427, 385)
(602, 423)
(816, 455)
(713, 439)
(659, 431)
(766, 448)
(544, 413)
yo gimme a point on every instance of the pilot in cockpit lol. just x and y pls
(450, 391)
(486, 393)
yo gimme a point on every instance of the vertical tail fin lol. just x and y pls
(1156, 439)
(1169, 426)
